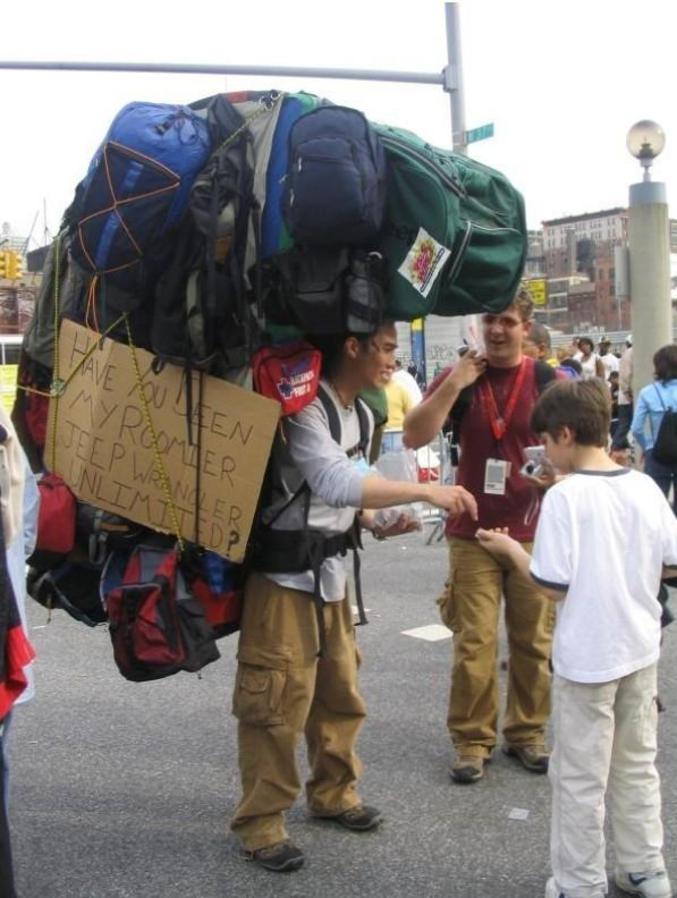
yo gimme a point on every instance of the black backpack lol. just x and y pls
(665, 443)
(335, 188)
(201, 314)
(325, 290)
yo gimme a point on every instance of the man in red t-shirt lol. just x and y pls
(504, 385)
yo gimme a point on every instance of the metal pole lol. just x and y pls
(649, 249)
(453, 78)
(186, 69)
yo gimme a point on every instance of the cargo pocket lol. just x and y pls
(257, 699)
(446, 606)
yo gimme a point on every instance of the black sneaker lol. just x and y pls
(282, 857)
(359, 819)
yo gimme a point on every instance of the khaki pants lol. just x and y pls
(282, 690)
(604, 741)
(470, 608)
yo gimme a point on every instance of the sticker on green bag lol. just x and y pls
(424, 262)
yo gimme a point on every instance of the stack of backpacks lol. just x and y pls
(238, 222)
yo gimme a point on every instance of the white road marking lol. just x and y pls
(431, 633)
(518, 814)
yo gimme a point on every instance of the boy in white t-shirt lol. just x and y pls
(601, 525)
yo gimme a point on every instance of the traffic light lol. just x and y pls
(4, 263)
(15, 266)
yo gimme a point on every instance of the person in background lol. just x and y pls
(619, 444)
(399, 402)
(591, 364)
(606, 646)
(402, 393)
(607, 358)
(408, 382)
(613, 394)
(570, 368)
(652, 403)
(497, 392)
(537, 345)
(17, 539)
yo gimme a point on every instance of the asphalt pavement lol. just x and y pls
(124, 790)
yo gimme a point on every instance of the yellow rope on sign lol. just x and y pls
(58, 386)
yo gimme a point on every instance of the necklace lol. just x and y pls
(346, 405)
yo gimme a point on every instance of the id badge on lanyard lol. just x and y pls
(496, 473)
(497, 470)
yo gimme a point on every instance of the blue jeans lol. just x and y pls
(392, 441)
(7, 877)
(664, 475)
(4, 761)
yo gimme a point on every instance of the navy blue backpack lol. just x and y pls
(136, 189)
(336, 181)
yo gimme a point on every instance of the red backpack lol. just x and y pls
(290, 374)
(157, 626)
(56, 523)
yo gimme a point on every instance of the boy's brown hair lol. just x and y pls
(582, 405)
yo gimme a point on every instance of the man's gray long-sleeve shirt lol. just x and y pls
(335, 483)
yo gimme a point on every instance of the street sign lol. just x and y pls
(538, 290)
(480, 133)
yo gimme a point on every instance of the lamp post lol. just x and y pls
(649, 252)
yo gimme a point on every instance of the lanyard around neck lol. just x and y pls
(499, 422)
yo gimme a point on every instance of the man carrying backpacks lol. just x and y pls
(297, 657)
(496, 393)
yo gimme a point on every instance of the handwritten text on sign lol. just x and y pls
(105, 446)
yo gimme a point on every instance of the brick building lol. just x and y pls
(581, 254)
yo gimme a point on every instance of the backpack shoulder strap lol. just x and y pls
(332, 414)
(544, 375)
(335, 428)
(660, 398)
(363, 418)
(461, 406)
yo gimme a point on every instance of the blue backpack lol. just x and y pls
(136, 189)
(336, 180)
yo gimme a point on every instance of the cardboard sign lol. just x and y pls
(106, 450)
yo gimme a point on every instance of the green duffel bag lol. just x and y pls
(455, 235)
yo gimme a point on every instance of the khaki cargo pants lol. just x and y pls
(282, 690)
(470, 608)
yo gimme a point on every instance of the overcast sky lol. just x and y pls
(562, 83)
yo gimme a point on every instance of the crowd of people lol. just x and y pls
(541, 542)
(500, 403)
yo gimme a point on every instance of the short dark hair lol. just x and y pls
(582, 405)
(665, 362)
(572, 363)
(540, 335)
(331, 346)
(587, 341)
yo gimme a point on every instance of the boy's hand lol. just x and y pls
(496, 541)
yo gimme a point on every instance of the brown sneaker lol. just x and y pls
(282, 857)
(467, 769)
(360, 819)
(533, 758)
